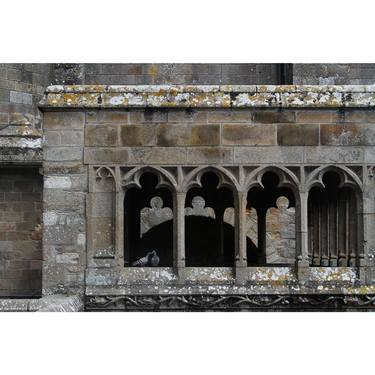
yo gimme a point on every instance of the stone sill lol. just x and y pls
(226, 96)
(52, 303)
(267, 276)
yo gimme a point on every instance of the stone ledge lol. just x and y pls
(53, 303)
(226, 96)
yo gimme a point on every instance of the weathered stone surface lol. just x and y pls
(347, 135)
(196, 155)
(63, 120)
(297, 135)
(20, 232)
(107, 117)
(158, 155)
(63, 153)
(251, 135)
(106, 135)
(106, 155)
(275, 116)
(319, 116)
(193, 135)
(268, 155)
(138, 135)
(224, 116)
(211, 96)
(326, 155)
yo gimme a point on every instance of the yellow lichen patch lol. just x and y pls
(153, 71)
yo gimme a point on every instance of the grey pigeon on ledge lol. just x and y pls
(150, 259)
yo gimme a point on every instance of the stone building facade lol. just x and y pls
(152, 196)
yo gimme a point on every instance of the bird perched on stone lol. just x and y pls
(150, 259)
(154, 259)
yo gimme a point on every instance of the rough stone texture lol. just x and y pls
(20, 232)
(55, 303)
(64, 239)
(236, 131)
(333, 74)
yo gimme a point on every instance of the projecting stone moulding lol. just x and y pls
(288, 96)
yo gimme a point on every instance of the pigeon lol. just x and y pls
(154, 259)
(150, 259)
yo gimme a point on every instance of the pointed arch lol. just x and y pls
(131, 179)
(347, 177)
(226, 178)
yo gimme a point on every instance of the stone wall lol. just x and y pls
(333, 74)
(20, 232)
(98, 139)
(21, 88)
(65, 187)
(166, 74)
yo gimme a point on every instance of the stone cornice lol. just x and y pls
(225, 96)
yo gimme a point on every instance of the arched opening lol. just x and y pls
(209, 240)
(275, 221)
(332, 223)
(148, 228)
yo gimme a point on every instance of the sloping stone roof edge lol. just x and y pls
(225, 96)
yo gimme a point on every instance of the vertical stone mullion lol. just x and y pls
(179, 232)
(240, 203)
(119, 231)
(302, 245)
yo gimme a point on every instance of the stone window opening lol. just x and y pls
(209, 240)
(332, 223)
(271, 209)
(148, 224)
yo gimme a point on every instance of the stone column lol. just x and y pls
(301, 219)
(240, 237)
(64, 196)
(119, 232)
(179, 234)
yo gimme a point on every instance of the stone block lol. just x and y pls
(67, 258)
(273, 116)
(21, 97)
(298, 135)
(147, 116)
(63, 153)
(187, 116)
(71, 138)
(192, 135)
(96, 155)
(320, 116)
(64, 200)
(107, 117)
(66, 167)
(347, 135)
(328, 155)
(268, 155)
(207, 155)
(359, 115)
(251, 135)
(106, 135)
(158, 155)
(4, 118)
(138, 135)
(16, 118)
(63, 120)
(57, 182)
(51, 138)
(224, 116)
(4, 95)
